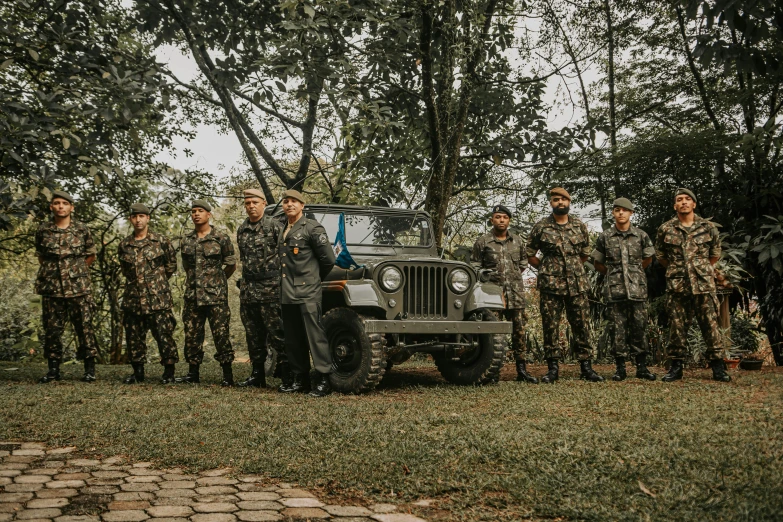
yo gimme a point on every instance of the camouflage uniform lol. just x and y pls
(509, 260)
(625, 286)
(206, 294)
(147, 265)
(63, 281)
(690, 283)
(259, 288)
(562, 281)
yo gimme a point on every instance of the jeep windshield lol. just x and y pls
(379, 229)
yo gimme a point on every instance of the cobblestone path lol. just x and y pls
(40, 484)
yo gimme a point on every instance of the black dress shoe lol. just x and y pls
(588, 373)
(522, 375)
(192, 376)
(89, 370)
(675, 372)
(553, 372)
(323, 388)
(53, 374)
(297, 385)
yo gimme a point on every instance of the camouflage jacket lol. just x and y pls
(147, 266)
(622, 254)
(63, 253)
(509, 260)
(561, 270)
(306, 257)
(688, 253)
(203, 259)
(260, 264)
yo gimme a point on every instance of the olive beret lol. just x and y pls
(140, 208)
(200, 203)
(501, 209)
(560, 191)
(624, 203)
(254, 193)
(62, 195)
(295, 194)
(685, 191)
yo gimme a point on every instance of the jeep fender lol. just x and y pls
(485, 295)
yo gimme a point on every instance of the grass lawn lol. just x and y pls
(694, 450)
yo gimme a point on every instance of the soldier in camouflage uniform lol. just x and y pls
(504, 252)
(688, 246)
(562, 282)
(147, 261)
(208, 259)
(65, 251)
(259, 288)
(622, 252)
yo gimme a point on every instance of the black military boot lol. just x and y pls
(168, 374)
(53, 374)
(89, 369)
(620, 373)
(323, 387)
(642, 372)
(297, 384)
(257, 377)
(522, 374)
(138, 374)
(553, 374)
(675, 372)
(228, 375)
(192, 376)
(719, 372)
(588, 373)
(286, 377)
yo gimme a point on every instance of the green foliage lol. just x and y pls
(745, 332)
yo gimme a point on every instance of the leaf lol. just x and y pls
(645, 490)
(105, 75)
(280, 85)
(496, 159)
(309, 11)
(34, 54)
(66, 143)
(6, 64)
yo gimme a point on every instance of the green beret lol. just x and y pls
(200, 203)
(295, 194)
(686, 192)
(624, 203)
(140, 208)
(62, 195)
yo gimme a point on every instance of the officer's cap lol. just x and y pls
(560, 191)
(624, 203)
(501, 209)
(254, 193)
(295, 194)
(200, 203)
(140, 208)
(62, 195)
(685, 191)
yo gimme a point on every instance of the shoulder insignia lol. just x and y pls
(323, 239)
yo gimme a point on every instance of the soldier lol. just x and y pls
(306, 257)
(562, 281)
(622, 252)
(688, 246)
(259, 288)
(504, 252)
(147, 261)
(208, 260)
(65, 251)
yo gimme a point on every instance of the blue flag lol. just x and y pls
(344, 259)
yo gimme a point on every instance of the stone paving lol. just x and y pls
(40, 484)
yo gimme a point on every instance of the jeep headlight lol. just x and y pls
(459, 280)
(390, 279)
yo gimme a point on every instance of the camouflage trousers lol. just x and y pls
(263, 324)
(518, 319)
(162, 325)
(682, 308)
(628, 324)
(194, 320)
(56, 312)
(577, 309)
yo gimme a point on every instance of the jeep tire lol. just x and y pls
(479, 366)
(359, 358)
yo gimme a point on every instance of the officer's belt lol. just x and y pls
(257, 278)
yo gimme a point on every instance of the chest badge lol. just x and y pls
(296, 250)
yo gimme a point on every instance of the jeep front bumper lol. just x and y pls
(437, 327)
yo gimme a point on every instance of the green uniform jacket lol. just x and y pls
(509, 259)
(203, 259)
(260, 264)
(561, 271)
(688, 253)
(63, 253)
(147, 266)
(306, 257)
(622, 253)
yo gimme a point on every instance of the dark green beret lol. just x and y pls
(62, 195)
(200, 203)
(624, 203)
(140, 208)
(686, 192)
(502, 209)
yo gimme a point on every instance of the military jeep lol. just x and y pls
(405, 299)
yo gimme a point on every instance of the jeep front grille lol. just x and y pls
(425, 295)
